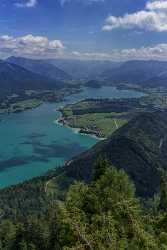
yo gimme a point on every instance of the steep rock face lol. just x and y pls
(140, 148)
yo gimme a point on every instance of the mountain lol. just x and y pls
(14, 79)
(41, 67)
(160, 80)
(138, 72)
(140, 148)
(88, 69)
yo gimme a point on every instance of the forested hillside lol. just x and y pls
(139, 147)
(102, 215)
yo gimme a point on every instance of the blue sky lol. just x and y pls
(85, 29)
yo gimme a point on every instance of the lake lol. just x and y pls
(32, 143)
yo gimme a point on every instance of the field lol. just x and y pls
(98, 117)
(20, 106)
(104, 123)
(102, 117)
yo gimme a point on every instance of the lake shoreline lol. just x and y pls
(32, 144)
(20, 109)
(18, 104)
(63, 122)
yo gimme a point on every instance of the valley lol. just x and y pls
(96, 113)
(83, 125)
(34, 143)
(72, 146)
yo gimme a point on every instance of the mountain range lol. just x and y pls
(150, 73)
(41, 67)
(16, 79)
(144, 73)
(88, 69)
(19, 74)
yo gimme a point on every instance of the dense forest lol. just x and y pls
(104, 214)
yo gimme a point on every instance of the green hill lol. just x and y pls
(138, 147)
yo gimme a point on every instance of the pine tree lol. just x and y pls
(99, 168)
(163, 191)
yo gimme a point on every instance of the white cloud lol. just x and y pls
(91, 55)
(157, 5)
(152, 18)
(33, 3)
(157, 52)
(29, 45)
(27, 4)
(42, 47)
(82, 1)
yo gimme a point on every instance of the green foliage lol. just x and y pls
(102, 215)
(100, 166)
(163, 187)
(138, 147)
(106, 215)
(24, 200)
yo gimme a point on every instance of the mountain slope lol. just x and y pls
(14, 79)
(138, 72)
(159, 80)
(84, 68)
(140, 148)
(41, 67)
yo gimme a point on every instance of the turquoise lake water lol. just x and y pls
(32, 143)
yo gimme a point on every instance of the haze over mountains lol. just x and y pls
(145, 73)
(19, 74)
(16, 79)
(84, 68)
(41, 67)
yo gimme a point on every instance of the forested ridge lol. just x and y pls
(105, 214)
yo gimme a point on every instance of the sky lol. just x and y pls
(84, 29)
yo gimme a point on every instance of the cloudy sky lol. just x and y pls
(85, 29)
